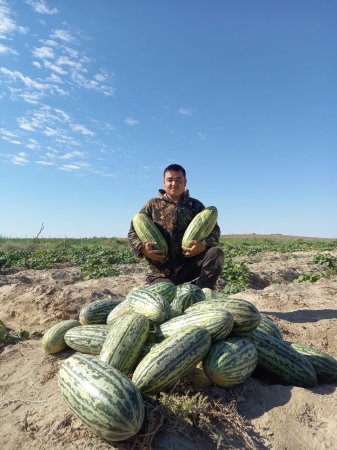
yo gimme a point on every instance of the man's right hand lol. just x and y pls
(149, 252)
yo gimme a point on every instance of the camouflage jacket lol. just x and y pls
(172, 219)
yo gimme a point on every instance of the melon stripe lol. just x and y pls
(101, 397)
(201, 226)
(53, 340)
(172, 359)
(276, 356)
(124, 342)
(97, 311)
(87, 338)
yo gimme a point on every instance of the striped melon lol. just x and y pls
(97, 311)
(172, 359)
(201, 226)
(268, 326)
(87, 338)
(230, 362)
(187, 294)
(165, 289)
(118, 311)
(276, 356)
(102, 397)
(147, 231)
(246, 316)
(124, 342)
(53, 340)
(210, 294)
(218, 323)
(324, 364)
(147, 348)
(150, 304)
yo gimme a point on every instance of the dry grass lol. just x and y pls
(193, 414)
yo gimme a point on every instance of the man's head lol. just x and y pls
(174, 181)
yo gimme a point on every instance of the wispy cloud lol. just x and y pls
(19, 159)
(43, 52)
(60, 69)
(44, 163)
(41, 7)
(69, 167)
(8, 26)
(131, 122)
(63, 35)
(185, 111)
(78, 128)
(5, 49)
(8, 133)
(76, 166)
(202, 136)
(71, 155)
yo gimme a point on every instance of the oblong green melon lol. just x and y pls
(103, 398)
(53, 340)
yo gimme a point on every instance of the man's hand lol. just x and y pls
(194, 249)
(149, 252)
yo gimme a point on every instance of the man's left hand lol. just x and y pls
(194, 249)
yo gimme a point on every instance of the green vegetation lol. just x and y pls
(236, 274)
(254, 245)
(329, 263)
(100, 257)
(94, 256)
(8, 336)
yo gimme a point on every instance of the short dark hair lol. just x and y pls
(175, 168)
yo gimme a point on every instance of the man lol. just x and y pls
(172, 211)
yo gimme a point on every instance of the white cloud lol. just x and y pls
(48, 131)
(100, 76)
(19, 159)
(41, 7)
(71, 155)
(131, 122)
(54, 68)
(7, 133)
(45, 163)
(25, 124)
(62, 115)
(65, 61)
(69, 167)
(43, 52)
(185, 111)
(81, 81)
(4, 49)
(63, 35)
(8, 26)
(81, 129)
(15, 142)
(28, 82)
(54, 79)
(33, 144)
(202, 136)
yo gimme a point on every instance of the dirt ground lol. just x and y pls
(33, 415)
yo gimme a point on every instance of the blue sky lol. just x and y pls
(97, 98)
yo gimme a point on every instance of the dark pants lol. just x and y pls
(202, 270)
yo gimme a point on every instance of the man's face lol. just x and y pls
(174, 184)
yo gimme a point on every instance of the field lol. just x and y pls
(292, 280)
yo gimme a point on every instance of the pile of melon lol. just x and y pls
(147, 342)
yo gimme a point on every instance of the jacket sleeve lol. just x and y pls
(134, 241)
